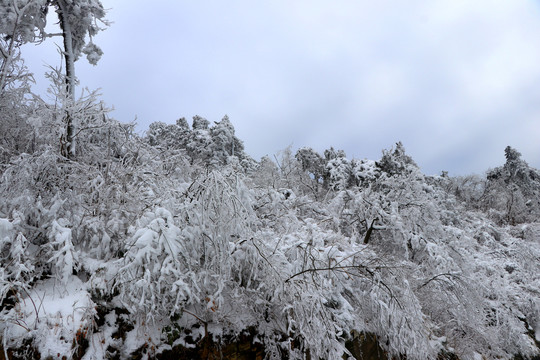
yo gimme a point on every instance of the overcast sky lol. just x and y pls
(456, 81)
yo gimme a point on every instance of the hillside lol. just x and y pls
(179, 244)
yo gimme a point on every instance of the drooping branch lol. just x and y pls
(344, 269)
(436, 277)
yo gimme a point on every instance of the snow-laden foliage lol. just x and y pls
(83, 18)
(193, 248)
(513, 190)
(203, 144)
(16, 268)
(20, 19)
(394, 254)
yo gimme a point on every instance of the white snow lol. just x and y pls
(55, 312)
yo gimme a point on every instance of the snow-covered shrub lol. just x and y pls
(412, 223)
(172, 262)
(64, 257)
(151, 280)
(16, 268)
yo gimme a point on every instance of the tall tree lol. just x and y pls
(78, 20)
(23, 21)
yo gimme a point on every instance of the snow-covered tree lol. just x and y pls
(338, 173)
(396, 161)
(513, 190)
(20, 22)
(311, 162)
(15, 110)
(24, 21)
(225, 143)
(78, 20)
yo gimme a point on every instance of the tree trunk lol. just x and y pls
(69, 57)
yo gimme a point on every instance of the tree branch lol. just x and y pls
(448, 275)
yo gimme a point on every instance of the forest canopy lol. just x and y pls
(178, 243)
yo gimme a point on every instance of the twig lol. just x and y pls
(35, 308)
(344, 270)
(330, 268)
(448, 275)
(205, 323)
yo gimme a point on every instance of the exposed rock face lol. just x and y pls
(242, 348)
(363, 346)
(366, 347)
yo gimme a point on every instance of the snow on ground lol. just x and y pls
(55, 313)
